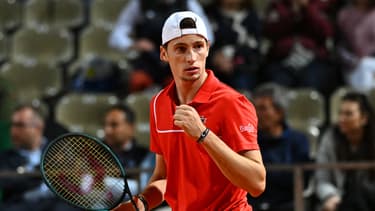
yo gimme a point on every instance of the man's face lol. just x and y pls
(268, 115)
(186, 56)
(117, 130)
(25, 129)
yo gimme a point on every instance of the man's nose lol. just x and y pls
(191, 56)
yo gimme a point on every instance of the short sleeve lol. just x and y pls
(240, 124)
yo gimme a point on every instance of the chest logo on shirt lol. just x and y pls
(203, 119)
(247, 128)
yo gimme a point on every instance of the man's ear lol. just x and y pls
(163, 54)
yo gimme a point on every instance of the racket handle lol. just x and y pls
(143, 200)
(127, 189)
(134, 204)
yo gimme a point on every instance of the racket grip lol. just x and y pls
(143, 200)
(134, 204)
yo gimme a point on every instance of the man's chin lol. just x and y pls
(192, 77)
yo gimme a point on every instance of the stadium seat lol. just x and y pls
(46, 45)
(371, 97)
(334, 102)
(3, 47)
(6, 98)
(306, 108)
(84, 112)
(10, 15)
(313, 135)
(260, 6)
(104, 13)
(306, 113)
(59, 13)
(32, 81)
(140, 103)
(94, 42)
(42, 106)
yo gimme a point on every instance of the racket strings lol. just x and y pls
(84, 173)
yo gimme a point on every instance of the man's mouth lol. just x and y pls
(192, 69)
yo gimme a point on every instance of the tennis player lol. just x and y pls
(203, 132)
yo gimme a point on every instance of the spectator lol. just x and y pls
(21, 194)
(119, 131)
(351, 139)
(139, 28)
(299, 33)
(356, 46)
(280, 144)
(236, 52)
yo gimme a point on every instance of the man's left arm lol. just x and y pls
(244, 169)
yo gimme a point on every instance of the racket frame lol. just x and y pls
(126, 189)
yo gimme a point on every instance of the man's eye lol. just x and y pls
(180, 49)
(199, 46)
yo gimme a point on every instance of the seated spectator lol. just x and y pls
(236, 53)
(139, 27)
(23, 193)
(351, 139)
(299, 32)
(279, 144)
(119, 131)
(356, 44)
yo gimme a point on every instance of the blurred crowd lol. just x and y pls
(266, 49)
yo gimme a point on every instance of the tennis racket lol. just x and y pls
(83, 171)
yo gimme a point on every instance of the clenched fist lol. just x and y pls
(187, 118)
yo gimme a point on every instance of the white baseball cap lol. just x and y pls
(172, 28)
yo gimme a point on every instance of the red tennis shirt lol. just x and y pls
(194, 182)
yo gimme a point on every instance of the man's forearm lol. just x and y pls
(245, 171)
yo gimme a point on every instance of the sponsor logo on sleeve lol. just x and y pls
(247, 128)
